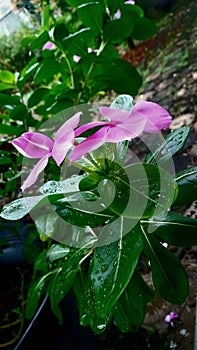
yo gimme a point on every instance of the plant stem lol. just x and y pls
(84, 84)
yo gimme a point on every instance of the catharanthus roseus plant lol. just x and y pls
(107, 215)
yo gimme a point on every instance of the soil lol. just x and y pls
(169, 67)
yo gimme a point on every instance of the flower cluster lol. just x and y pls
(118, 125)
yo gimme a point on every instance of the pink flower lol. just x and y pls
(49, 45)
(37, 145)
(122, 125)
(170, 317)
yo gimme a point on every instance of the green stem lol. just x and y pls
(101, 48)
(70, 71)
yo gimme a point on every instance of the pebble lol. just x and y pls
(185, 119)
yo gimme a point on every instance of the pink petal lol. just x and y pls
(48, 46)
(157, 117)
(88, 126)
(37, 169)
(33, 144)
(90, 144)
(69, 124)
(62, 145)
(115, 115)
(122, 132)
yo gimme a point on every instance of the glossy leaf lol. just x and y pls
(76, 3)
(60, 31)
(117, 30)
(37, 96)
(36, 290)
(7, 77)
(169, 277)
(113, 266)
(104, 209)
(20, 207)
(5, 86)
(175, 229)
(47, 69)
(63, 279)
(150, 190)
(130, 308)
(45, 17)
(56, 252)
(91, 14)
(40, 40)
(121, 77)
(72, 41)
(11, 130)
(170, 146)
(27, 72)
(45, 225)
(84, 293)
(187, 186)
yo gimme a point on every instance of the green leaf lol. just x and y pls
(91, 14)
(20, 207)
(130, 308)
(124, 102)
(132, 10)
(170, 146)
(40, 40)
(27, 72)
(91, 213)
(113, 5)
(11, 130)
(40, 263)
(121, 77)
(113, 266)
(47, 69)
(60, 31)
(7, 77)
(45, 17)
(72, 41)
(45, 225)
(117, 30)
(63, 279)
(174, 229)
(37, 96)
(18, 112)
(57, 252)
(150, 190)
(169, 277)
(7, 99)
(82, 217)
(84, 293)
(76, 3)
(5, 86)
(36, 290)
(187, 187)
(5, 160)
(143, 29)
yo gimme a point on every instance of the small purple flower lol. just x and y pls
(48, 46)
(170, 317)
